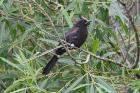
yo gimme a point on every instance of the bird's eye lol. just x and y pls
(84, 21)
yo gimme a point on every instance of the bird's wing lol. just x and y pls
(71, 39)
(74, 29)
(72, 35)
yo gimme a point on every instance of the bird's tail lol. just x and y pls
(50, 65)
(53, 61)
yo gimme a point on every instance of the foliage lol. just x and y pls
(30, 27)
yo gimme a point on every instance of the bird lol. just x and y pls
(76, 36)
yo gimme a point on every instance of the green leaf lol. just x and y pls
(99, 90)
(12, 64)
(123, 25)
(67, 17)
(74, 84)
(1, 2)
(80, 86)
(92, 89)
(95, 44)
(103, 84)
(20, 90)
(12, 86)
(49, 41)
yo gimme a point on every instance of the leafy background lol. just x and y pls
(28, 28)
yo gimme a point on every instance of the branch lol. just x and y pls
(37, 55)
(104, 59)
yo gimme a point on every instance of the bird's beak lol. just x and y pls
(88, 22)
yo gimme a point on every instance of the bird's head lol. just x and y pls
(83, 22)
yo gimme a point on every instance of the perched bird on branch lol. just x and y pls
(76, 37)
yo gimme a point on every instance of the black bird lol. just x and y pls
(76, 36)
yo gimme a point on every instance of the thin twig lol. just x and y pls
(42, 54)
(104, 59)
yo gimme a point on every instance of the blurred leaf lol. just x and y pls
(20, 90)
(1, 2)
(103, 84)
(49, 41)
(95, 45)
(67, 17)
(99, 90)
(123, 25)
(11, 63)
(80, 86)
(92, 89)
(74, 84)
(66, 61)
(11, 87)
